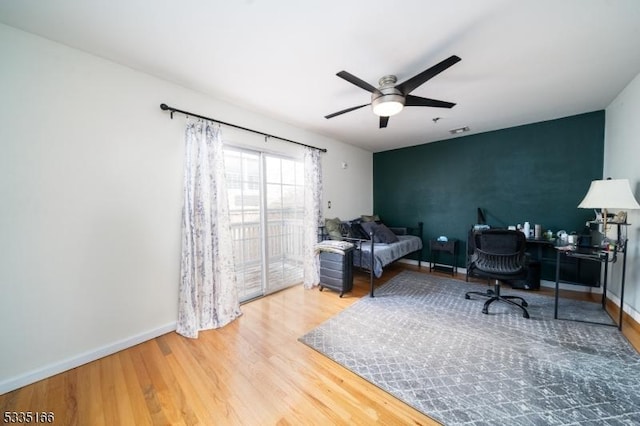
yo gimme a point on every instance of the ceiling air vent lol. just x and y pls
(460, 130)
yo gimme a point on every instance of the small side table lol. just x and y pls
(450, 247)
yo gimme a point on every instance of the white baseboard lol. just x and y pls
(413, 262)
(83, 358)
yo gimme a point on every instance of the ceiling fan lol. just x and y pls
(390, 98)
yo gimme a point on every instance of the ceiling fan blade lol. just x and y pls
(345, 111)
(411, 100)
(411, 84)
(355, 80)
(383, 122)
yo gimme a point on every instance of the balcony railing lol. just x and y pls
(284, 254)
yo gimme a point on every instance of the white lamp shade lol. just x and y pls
(610, 194)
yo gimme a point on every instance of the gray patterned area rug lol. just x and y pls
(420, 340)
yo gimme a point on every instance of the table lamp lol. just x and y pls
(609, 194)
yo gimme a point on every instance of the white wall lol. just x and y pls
(622, 151)
(90, 202)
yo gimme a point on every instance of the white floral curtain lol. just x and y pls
(208, 292)
(312, 215)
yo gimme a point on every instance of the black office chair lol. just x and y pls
(499, 254)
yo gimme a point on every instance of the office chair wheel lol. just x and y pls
(466, 296)
(485, 311)
(525, 304)
(525, 314)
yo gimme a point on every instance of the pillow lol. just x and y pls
(345, 229)
(369, 227)
(333, 228)
(384, 235)
(371, 218)
(357, 231)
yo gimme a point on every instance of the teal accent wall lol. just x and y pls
(538, 173)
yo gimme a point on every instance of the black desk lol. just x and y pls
(594, 255)
(540, 244)
(573, 269)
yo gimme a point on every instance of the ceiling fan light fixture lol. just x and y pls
(387, 100)
(387, 108)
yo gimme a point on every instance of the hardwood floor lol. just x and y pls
(251, 372)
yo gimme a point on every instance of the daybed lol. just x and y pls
(389, 243)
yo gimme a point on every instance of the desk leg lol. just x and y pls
(604, 285)
(455, 259)
(624, 267)
(555, 310)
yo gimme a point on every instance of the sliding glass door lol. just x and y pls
(243, 172)
(266, 204)
(284, 210)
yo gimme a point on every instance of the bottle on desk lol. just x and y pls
(538, 231)
(527, 229)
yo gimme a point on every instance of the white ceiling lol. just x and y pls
(522, 61)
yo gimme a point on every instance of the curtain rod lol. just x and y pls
(166, 107)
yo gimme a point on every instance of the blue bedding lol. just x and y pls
(385, 254)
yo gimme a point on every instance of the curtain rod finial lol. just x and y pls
(164, 107)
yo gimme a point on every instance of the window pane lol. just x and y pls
(274, 197)
(251, 174)
(285, 204)
(288, 172)
(243, 190)
(273, 171)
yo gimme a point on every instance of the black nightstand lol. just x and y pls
(450, 247)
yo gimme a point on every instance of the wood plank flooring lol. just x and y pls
(251, 372)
